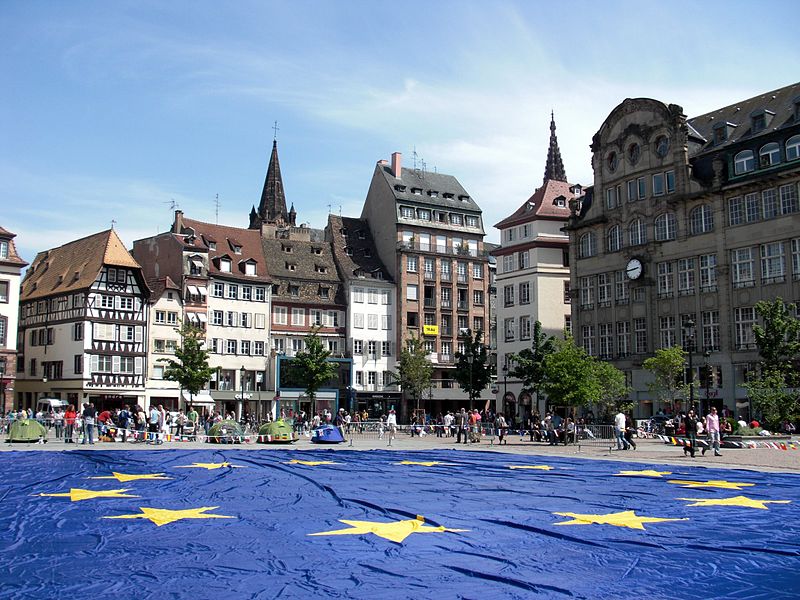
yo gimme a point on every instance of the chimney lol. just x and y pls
(396, 164)
(177, 225)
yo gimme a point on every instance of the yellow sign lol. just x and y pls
(430, 330)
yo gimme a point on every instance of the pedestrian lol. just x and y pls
(58, 419)
(690, 430)
(461, 426)
(630, 430)
(619, 430)
(712, 430)
(89, 415)
(391, 424)
(123, 420)
(153, 425)
(500, 424)
(69, 424)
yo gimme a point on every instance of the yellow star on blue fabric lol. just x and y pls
(394, 531)
(626, 518)
(714, 483)
(421, 463)
(644, 473)
(78, 494)
(535, 467)
(742, 501)
(125, 477)
(310, 463)
(210, 466)
(163, 516)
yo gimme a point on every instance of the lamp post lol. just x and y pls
(242, 373)
(707, 369)
(505, 385)
(689, 327)
(470, 361)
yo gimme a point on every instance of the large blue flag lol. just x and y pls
(380, 524)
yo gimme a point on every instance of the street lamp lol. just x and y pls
(707, 369)
(242, 373)
(470, 361)
(505, 386)
(690, 331)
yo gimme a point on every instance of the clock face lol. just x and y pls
(634, 269)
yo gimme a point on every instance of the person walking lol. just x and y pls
(89, 415)
(69, 424)
(462, 422)
(619, 430)
(391, 424)
(153, 425)
(690, 429)
(630, 429)
(712, 430)
(501, 425)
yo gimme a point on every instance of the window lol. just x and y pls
(477, 271)
(246, 320)
(232, 319)
(666, 283)
(769, 155)
(769, 201)
(587, 292)
(641, 186)
(456, 219)
(77, 365)
(411, 264)
(666, 226)
(508, 295)
(247, 292)
(633, 193)
(324, 292)
(587, 245)
(525, 327)
(233, 292)
(736, 211)
(789, 199)
(105, 301)
(412, 291)
(637, 232)
(423, 214)
(742, 261)
(250, 268)
(624, 338)
(701, 219)
(279, 315)
(621, 287)
(670, 178)
(606, 334)
(587, 335)
(603, 290)
(567, 297)
(225, 265)
(294, 291)
(743, 162)
(666, 327)
(477, 297)
(385, 297)
(640, 334)
(298, 316)
(231, 347)
(525, 293)
(386, 348)
(708, 273)
(77, 331)
(386, 324)
(372, 321)
(614, 239)
(358, 347)
(358, 320)
(711, 330)
(686, 276)
(472, 221)
(258, 348)
(744, 319)
(508, 328)
(796, 258)
(773, 263)
(524, 259)
(508, 263)
(406, 212)
(611, 198)
(3, 249)
(793, 148)
(218, 290)
(658, 184)
(752, 208)
(104, 331)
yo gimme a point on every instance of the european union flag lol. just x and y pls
(390, 524)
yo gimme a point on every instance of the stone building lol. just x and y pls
(83, 325)
(10, 266)
(429, 233)
(690, 222)
(532, 277)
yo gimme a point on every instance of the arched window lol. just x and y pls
(666, 227)
(637, 232)
(793, 148)
(743, 162)
(701, 219)
(587, 246)
(614, 239)
(770, 154)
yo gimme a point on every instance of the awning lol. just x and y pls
(199, 399)
(197, 263)
(202, 317)
(202, 289)
(193, 290)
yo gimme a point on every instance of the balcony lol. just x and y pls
(446, 275)
(446, 331)
(430, 276)
(462, 278)
(463, 305)
(446, 359)
(429, 302)
(446, 303)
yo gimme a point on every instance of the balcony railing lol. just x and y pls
(446, 331)
(462, 250)
(429, 303)
(446, 275)
(463, 305)
(446, 303)
(462, 278)
(430, 276)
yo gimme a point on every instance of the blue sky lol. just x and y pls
(112, 110)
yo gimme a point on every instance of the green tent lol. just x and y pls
(277, 432)
(226, 432)
(26, 430)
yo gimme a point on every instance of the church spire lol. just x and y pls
(272, 207)
(554, 169)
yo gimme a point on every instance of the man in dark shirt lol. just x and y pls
(89, 416)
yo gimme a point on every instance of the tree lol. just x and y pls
(778, 340)
(473, 372)
(773, 400)
(311, 367)
(190, 365)
(569, 375)
(667, 367)
(614, 392)
(414, 370)
(529, 363)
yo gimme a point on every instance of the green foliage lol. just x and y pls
(311, 368)
(614, 392)
(749, 431)
(529, 363)
(414, 370)
(473, 377)
(190, 365)
(778, 340)
(773, 400)
(667, 367)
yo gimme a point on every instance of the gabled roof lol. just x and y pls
(161, 285)
(347, 232)
(75, 265)
(542, 205)
(302, 257)
(13, 259)
(225, 237)
(427, 182)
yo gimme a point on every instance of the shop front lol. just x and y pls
(377, 404)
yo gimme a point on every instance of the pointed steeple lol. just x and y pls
(272, 207)
(554, 170)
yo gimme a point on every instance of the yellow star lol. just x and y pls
(538, 467)
(626, 518)
(209, 466)
(725, 485)
(123, 477)
(645, 473)
(310, 463)
(78, 494)
(734, 501)
(394, 531)
(162, 516)
(431, 463)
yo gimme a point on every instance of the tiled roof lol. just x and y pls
(75, 265)
(225, 239)
(780, 102)
(347, 232)
(428, 182)
(13, 259)
(304, 263)
(541, 205)
(159, 286)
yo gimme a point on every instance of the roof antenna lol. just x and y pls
(113, 222)
(340, 210)
(172, 204)
(216, 208)
(329, 209)
(275, 130)
(414, 154)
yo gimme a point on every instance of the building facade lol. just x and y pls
(533, 277)
(10, 266)
(429, 233)
(83, 325)
(689, 224)
(165, 318)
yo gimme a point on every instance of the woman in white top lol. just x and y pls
(391, 424)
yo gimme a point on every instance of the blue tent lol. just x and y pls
(327, 434)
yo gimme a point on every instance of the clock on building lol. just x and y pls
(634, 269)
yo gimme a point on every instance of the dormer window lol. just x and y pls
(416, 191)
(400, 188)
(472, 221)
(348, 251)
(362, 234)
(225, 265)
(3, 249)
(456, 219)
(720, 133)
(324, 292)
(250, 267)
(433, 193)
(367, 253)
(378, 274)
(212, 245)
(770, 154)
(320, 268)
(287, 249)
(406, 212)
(294, 291)
(343, 232)
(315, 250)
(290, 266)
(464, 198)
(423, 214)
(561, 202)
(448, 196)
(743, 162)
(760, 120)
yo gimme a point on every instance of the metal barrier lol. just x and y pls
(597, 436)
